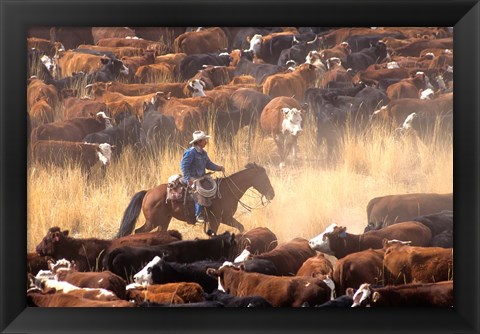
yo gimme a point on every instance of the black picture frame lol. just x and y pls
(17, 16)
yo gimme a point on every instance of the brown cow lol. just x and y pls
(133, 42)
(213, 76)
(385, 210)
(119, 52)
(407, 88)
(36, 262)
(70, 62)
(397, 111)
(417, 295)
(41, 112)
(188, 292)
(291, 84)
(64, 153)
(102, 280)
(407, 264)
(37, 90)
(339, 51)
(258, 240)
(336, 76)
(357, 268)
(84, 107)
(43, 45)
(282, 118)
(414, 48)
(336, 241)
(288, 257)
(71, 130)
(88, 252)
(133, 63)
(38, 299)
(162, 72)
(110, 32)
(278, 291)
(316, 266)
(203, 41)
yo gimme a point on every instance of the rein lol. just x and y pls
(244, 205)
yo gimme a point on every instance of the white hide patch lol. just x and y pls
(392, 64)
(427, 94)
(329, 282)
(407, 124)
(320, 243)
(104, 153)
(242, 257)
(124, 69)
(143, 276)
(197, 88)
(255, 43)
(362, 294)
(292, 121)
(220, 287)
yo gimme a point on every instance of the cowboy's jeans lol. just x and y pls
(198, 209)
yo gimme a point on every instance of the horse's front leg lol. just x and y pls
(236, 224)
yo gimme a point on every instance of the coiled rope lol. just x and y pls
(206, 192)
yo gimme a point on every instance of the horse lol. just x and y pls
(158, 211)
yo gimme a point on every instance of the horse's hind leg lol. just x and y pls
(147, 227)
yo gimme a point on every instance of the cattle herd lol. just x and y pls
(140, 86)
(94, 91)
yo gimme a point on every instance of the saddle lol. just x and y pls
(178, 191)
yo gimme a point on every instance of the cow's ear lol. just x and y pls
(104, 61)
(212, 272)
(203, 83)
(375, 296)
(385, 243)
(285, 111)
(349, 292)
(65, 233)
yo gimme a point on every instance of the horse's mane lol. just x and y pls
(253, 165)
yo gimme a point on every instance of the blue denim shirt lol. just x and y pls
(194, 162)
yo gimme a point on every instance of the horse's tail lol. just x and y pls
(130, 215)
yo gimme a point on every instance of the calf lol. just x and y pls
(417, 295)
(36, 262)
(88, 252)
(407, 264)
(278, 291)
(407, 88)
(63, 153)
(336, 241)
(316, 266)
(288, 257)
(386, 210)
(260, 72)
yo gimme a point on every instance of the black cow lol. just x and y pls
(427, 125)
(373, 98)
(173, 272)
(357, 61)
(127, 132)
(126, 260)
(443, 239)
(110, 70)
(157, 128)
(232, 301)
(191, 64)
(359, 42)
(340, 302)
(258, 71)
(298, 52)
(67, 82)
(241, 40)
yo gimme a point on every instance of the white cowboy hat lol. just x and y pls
(199, 135)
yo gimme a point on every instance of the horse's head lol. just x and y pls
(260, 181)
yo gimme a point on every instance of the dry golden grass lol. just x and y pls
(309, 195)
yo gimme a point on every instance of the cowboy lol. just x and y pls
(194, 162)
